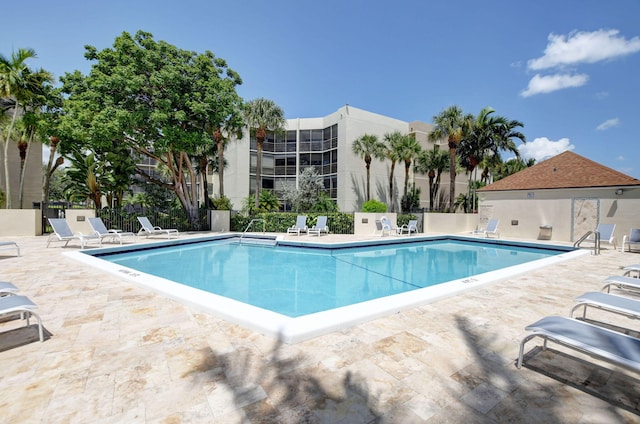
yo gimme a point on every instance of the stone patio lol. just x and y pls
(118, 353)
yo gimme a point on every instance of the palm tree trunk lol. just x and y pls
(368, 166)
(407, 166)
(452, 176)
(258, 173)
(432, 175)
(22, 168)
(7, 140)
(220, 167)
(393, 167)
(50, 168)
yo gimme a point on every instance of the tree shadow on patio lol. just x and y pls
(285, 386)
(515, 397)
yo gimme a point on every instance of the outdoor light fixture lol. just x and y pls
(619, 192)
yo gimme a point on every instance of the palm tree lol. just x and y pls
(488, 135)
(231, 128)
(450, 124)
(391, 142)
(17, 84)
(263, 115)
(504, 169)
(368, 147)
(204, 154)
(408, 149)
(433, 163)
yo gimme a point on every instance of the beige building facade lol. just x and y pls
(326, 144)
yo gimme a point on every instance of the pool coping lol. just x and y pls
(295, 330)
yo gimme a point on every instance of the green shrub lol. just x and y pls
(221, 203)
(374, 206)
(404, 218)
(278, 222)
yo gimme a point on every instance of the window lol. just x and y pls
(305, 159)
(316, 158)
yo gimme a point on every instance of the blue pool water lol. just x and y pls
(297, 281)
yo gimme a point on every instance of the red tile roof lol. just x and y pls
(566, 170)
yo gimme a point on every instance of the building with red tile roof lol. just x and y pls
(561, 199)
(566, 170)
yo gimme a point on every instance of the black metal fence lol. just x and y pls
(126, 219)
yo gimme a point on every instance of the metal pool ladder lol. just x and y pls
(596, 242)
(257, 240)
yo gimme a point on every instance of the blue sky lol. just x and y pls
(569, 70)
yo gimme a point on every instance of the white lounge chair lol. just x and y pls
(632, 270)
(598, 342)
(101, 231)
(10, 245)
(632, 239)
(299, 227)
(607, 302)
(62, 232)
(320, 227)
(606, 235)
(620, 281)
(13, 305)
(490, 230)
(388, 227)
(411, 226)
(6, 288)
(149, 229)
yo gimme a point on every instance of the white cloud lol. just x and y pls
(542, 148)
(620, 158)
(602, 95)
(548, 83)
(609, 123)
(584, 47)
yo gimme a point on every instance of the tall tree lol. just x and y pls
(450, 124)
(433, 163)
(511, 166)
(487, 137)
(18, 83)
(155, 99)
(49, 134)
(391, 142)
(231, 130)
(263, 115)
(408, 150)
(368, 147)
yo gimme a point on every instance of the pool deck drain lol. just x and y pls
(120, 353)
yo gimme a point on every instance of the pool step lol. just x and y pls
(258, 241)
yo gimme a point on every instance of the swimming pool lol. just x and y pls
(299, 290)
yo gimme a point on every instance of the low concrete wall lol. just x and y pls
(450, 223)
(77, 220)
(365, 222)
(220, 221)
(20, 222)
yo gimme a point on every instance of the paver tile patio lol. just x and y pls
(117, 353)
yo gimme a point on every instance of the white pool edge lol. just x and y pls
(295, 330)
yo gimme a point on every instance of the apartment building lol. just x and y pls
(326, 144)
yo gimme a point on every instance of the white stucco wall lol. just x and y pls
(521, 213)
